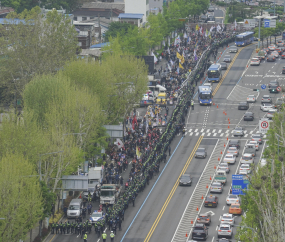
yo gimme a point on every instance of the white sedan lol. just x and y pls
(255, 62)
(255, 143)
(251, 99)
(265, 107)
(245, 169)
(232, 199)
(230, 158)
(228, 218)
(271, 47)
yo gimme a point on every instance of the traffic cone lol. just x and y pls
(221, 152)
(197, 209)
(186, 235)
(200, 82)
(246, 65)
(228, 126)
(214, 104)
(224, 145)
(210, 178)
(229, 122)
(228, 119)
(218, 158)
(202, 197)
(217, 105)
(225, 113)
(215, 167)
(192, 222)
(227, 138)
(207, 186)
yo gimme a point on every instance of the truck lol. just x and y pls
(95, 176)
(221, 176)
(109, 193)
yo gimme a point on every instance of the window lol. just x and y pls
(75, 18)
(92, 17)
(147, 13)
(84, 18)
(147, 1)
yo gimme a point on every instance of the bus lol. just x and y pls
(205, 95)
(214, 73)
(244, 39)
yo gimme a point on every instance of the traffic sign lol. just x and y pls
(239, 182)
(263, 86)
(249, 23)
(279, 89)
(266, 23)
(264, 125)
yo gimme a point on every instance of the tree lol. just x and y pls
(34, 46)
(68, 116)
(264, 202)
(116, 28)
(21, 194)
(119, 81)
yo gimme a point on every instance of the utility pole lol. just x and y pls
(274, 7)
(259, 33)
(112, 12)
(99, 30)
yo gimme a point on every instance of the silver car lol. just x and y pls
(225, 230)
(228, 218)
(216, 187)
(232, 199)
(238, 131)
(201, 153)
(257, 137)
(227, 58)
(266, 99)
(255, 143)
(230, 158)
(265, 107)
(270, 113)
(247, 159)
(251, 98)
(233, 49)
(233, 150)
(224, 166)
(245, 169)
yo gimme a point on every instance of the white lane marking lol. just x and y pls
(223, 207)
(213, 239)
(217, 228)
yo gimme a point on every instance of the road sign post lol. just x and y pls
(263, 125)
(239, 182)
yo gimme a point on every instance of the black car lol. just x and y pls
(234, 143)
(283, 70)
(185, 180)
(224, 66)
(200, 231)
(272, 86)
(204, 218)
(248, 116)
(271, 58)
(201, 153)
(211, 201)
(243, 106)
(283, 55)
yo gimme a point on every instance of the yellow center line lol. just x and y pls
(153, 227)
(227, 71)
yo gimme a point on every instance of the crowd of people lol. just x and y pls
(145, 146)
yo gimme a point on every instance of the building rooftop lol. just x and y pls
(6, 10)
(101, 45)
(131, 15)
(11, 21)
(119, 6)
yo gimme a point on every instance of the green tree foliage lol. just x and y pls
(116, 28)
(119, 81)
(21, 5)
(264, 202)
(21, 194)
(33, 45)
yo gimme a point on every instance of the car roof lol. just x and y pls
(234, 141)
(266, 96)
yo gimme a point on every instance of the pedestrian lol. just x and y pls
(169, 150)
(112, 235)
(85, 237)
(104, 236)
(192, 104)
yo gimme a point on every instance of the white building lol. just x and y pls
(137, 6)
(155, 6)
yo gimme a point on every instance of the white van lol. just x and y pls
(75, 208)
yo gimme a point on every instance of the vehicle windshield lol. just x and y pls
(227, 56)
(232, 196)
(97, 215)
(239, 37)
(210, 199)
(74, 207)
(205, 96)
(246, 158)
(107, 193)
(185, 177)
(227, 217)
(235, 206)
(200, 150)
(213, 74)
(228, 156)
(224, 228)
(255, 136)
(238, 128)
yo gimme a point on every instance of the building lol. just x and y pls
(131, 18)
(84, 39)
(4, 11)
(93, 10)
(138, 6)
(61, 11)
(156, 6)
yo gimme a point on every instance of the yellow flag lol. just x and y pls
(180, 66)
(197, 27)
(182, 59)
(210, 36)
(178, 56)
